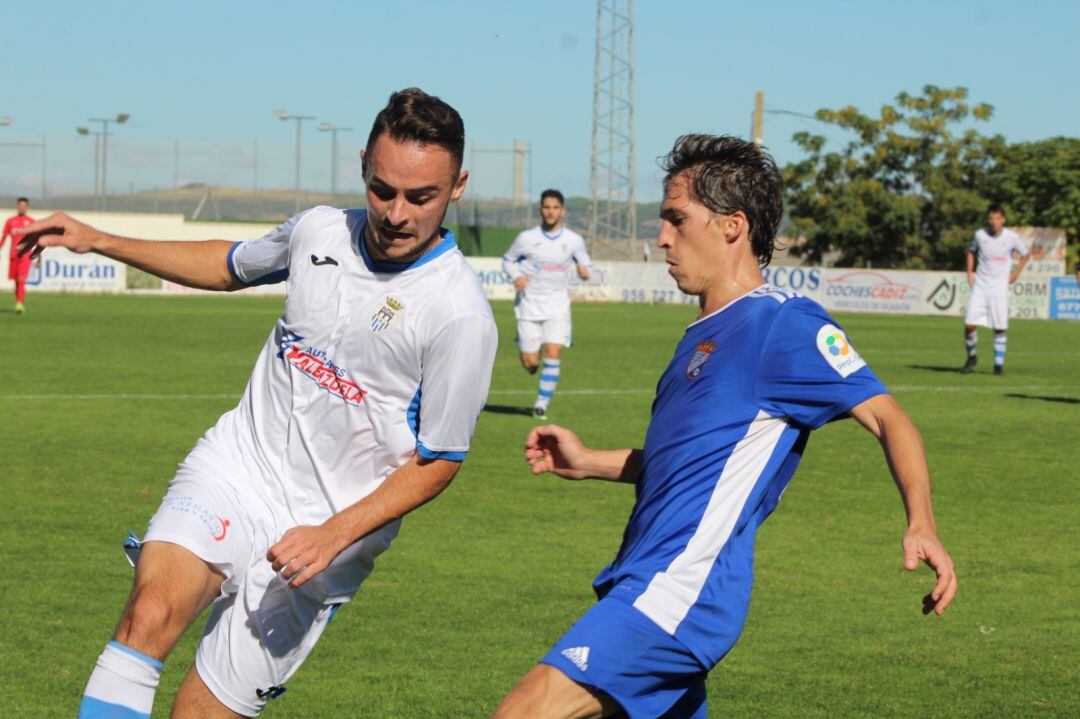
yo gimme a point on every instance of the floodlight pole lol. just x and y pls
(119, 120)
(97, 152)
(283, 116)
(327, 127)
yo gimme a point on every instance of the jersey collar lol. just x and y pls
(556, 236)
(444, 245)
(714, 313)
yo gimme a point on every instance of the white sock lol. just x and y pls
(971, 341)
(121, 686)
(549, 379)
(999, 350)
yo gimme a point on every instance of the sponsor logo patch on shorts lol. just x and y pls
(217, 526)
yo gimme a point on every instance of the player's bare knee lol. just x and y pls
(150, 622)
(552, 352)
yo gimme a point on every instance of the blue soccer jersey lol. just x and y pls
(730, 421)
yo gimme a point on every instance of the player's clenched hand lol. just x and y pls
(924, 545)
(520, 283)
(302, 552)
(56, 230)
(555, 449)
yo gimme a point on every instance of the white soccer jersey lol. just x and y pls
(993, 256)
(370, 363)
(546, 260)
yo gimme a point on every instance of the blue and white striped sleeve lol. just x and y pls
(264, 260)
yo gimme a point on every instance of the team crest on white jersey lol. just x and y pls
(837, 351)
(701, 355)
(386, 313)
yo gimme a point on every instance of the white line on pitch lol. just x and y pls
(983, 389)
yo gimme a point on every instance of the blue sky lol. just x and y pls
(211, 73)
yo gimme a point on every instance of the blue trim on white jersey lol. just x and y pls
(232, 264)
(412, 414)
(555, 236)
(432, 454)
(270, 278)
(444, 245)
(137, 654)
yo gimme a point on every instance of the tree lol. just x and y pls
(905, 191)
(1038, 183)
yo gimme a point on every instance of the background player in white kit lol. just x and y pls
(993, 248)
(538, 263)
(360, 408)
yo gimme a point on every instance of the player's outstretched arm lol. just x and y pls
(302, 552)
(202, 265)
(555, 449)
(904, 451)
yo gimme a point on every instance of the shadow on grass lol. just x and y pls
(934, 368)
(1044, 398)
(506, 409)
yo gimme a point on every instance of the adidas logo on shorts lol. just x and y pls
(579, 656)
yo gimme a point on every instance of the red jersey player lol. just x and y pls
(18, 267)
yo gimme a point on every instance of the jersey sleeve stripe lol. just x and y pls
(672, 593)
(231, 263)
(432, 454)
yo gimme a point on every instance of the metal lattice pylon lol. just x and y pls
(613, 212)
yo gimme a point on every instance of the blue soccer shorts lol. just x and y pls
(619, 651)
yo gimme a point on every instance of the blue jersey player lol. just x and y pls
(752, 376)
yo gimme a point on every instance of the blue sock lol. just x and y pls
(122, 685)
(999, 350)
(549, 379)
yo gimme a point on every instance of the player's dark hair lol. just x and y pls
(553, 194)
(413, 115)
(996, 208)
(22, 199)
(726, 175)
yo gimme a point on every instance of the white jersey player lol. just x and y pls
(538, 263)
(989, 273)
(361, 407)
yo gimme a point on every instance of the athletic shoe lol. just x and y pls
(998, 369)
(20, 308)
(969, 366)
(132, 548)
(540, 412)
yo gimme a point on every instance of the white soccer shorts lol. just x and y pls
(259, 631)
(533, 333)
(987, 310)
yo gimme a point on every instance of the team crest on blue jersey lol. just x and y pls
(386, 312)
(702, 353)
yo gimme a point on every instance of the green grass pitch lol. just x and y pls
(103, 396)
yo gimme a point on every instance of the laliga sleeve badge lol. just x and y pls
(386, 313)
(837, 351)
(701, 355)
